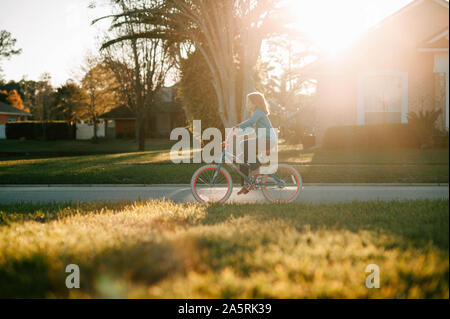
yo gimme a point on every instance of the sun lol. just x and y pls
(333, 25)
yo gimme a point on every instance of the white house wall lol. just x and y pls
(85, 131)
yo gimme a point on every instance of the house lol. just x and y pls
(399, 66)
(9, 113)
(164, 115)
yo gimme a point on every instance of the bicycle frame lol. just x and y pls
(226, 155)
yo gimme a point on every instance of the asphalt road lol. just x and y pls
(182, 193)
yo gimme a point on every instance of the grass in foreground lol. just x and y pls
(165, 250)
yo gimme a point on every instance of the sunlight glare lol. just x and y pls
(332, 25)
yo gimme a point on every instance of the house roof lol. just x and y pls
(167, 107)
(166, 102)
(439, 40)
(121, 112)
(405, 9)
(11, 110)
(124, 113)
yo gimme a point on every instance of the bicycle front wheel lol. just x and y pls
(203, 188)
(284, 186)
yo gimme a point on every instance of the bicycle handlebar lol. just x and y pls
(229, 136)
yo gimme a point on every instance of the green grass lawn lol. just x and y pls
(75, 147)
(166, 250)
(121, 166)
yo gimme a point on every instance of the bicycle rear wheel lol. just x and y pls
(204, 191)
(284, 186)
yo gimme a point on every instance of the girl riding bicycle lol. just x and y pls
(212, 183)
(259, 108)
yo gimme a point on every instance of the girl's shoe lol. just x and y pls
(244, 190)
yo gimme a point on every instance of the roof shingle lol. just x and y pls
(8, 109)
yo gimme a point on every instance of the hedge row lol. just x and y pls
(32, 130)
(371, 137)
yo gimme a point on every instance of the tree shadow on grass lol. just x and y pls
(50, 211)
(126, 168)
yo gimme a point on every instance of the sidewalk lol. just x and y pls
(311, 193)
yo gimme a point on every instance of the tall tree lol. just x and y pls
(43, 97)
(70, 100)
(285, 58)
(7, 46)
(199, 98)
(284, 83)
(140, 65)
(99, 84)
(228, 33)
(15, 100)
(12, 97)
(43, 101)
(27, 90)
(4, 97)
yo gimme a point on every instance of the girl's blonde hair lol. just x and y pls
(259, 101)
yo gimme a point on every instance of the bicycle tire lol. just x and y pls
(203, 198)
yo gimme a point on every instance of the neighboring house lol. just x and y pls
(119, 122)
(399, 66)
(9, 113)
(85, 131)
(164, 115)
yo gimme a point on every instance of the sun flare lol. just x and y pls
(333, 25)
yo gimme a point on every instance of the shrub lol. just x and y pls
(308, 140)
(27, 130)
(127, 135)
(378, 136)
(441, 140)
(424, 125)
(33, 130)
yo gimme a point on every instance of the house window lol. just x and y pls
(383, 98)
(12, 119)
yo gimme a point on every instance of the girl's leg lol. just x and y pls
(255, 167)
(254, 162)
(244, 169)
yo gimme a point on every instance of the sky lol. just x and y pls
(55, 35)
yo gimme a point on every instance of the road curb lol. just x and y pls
(188, 185)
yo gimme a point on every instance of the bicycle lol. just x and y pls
(213, 183)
